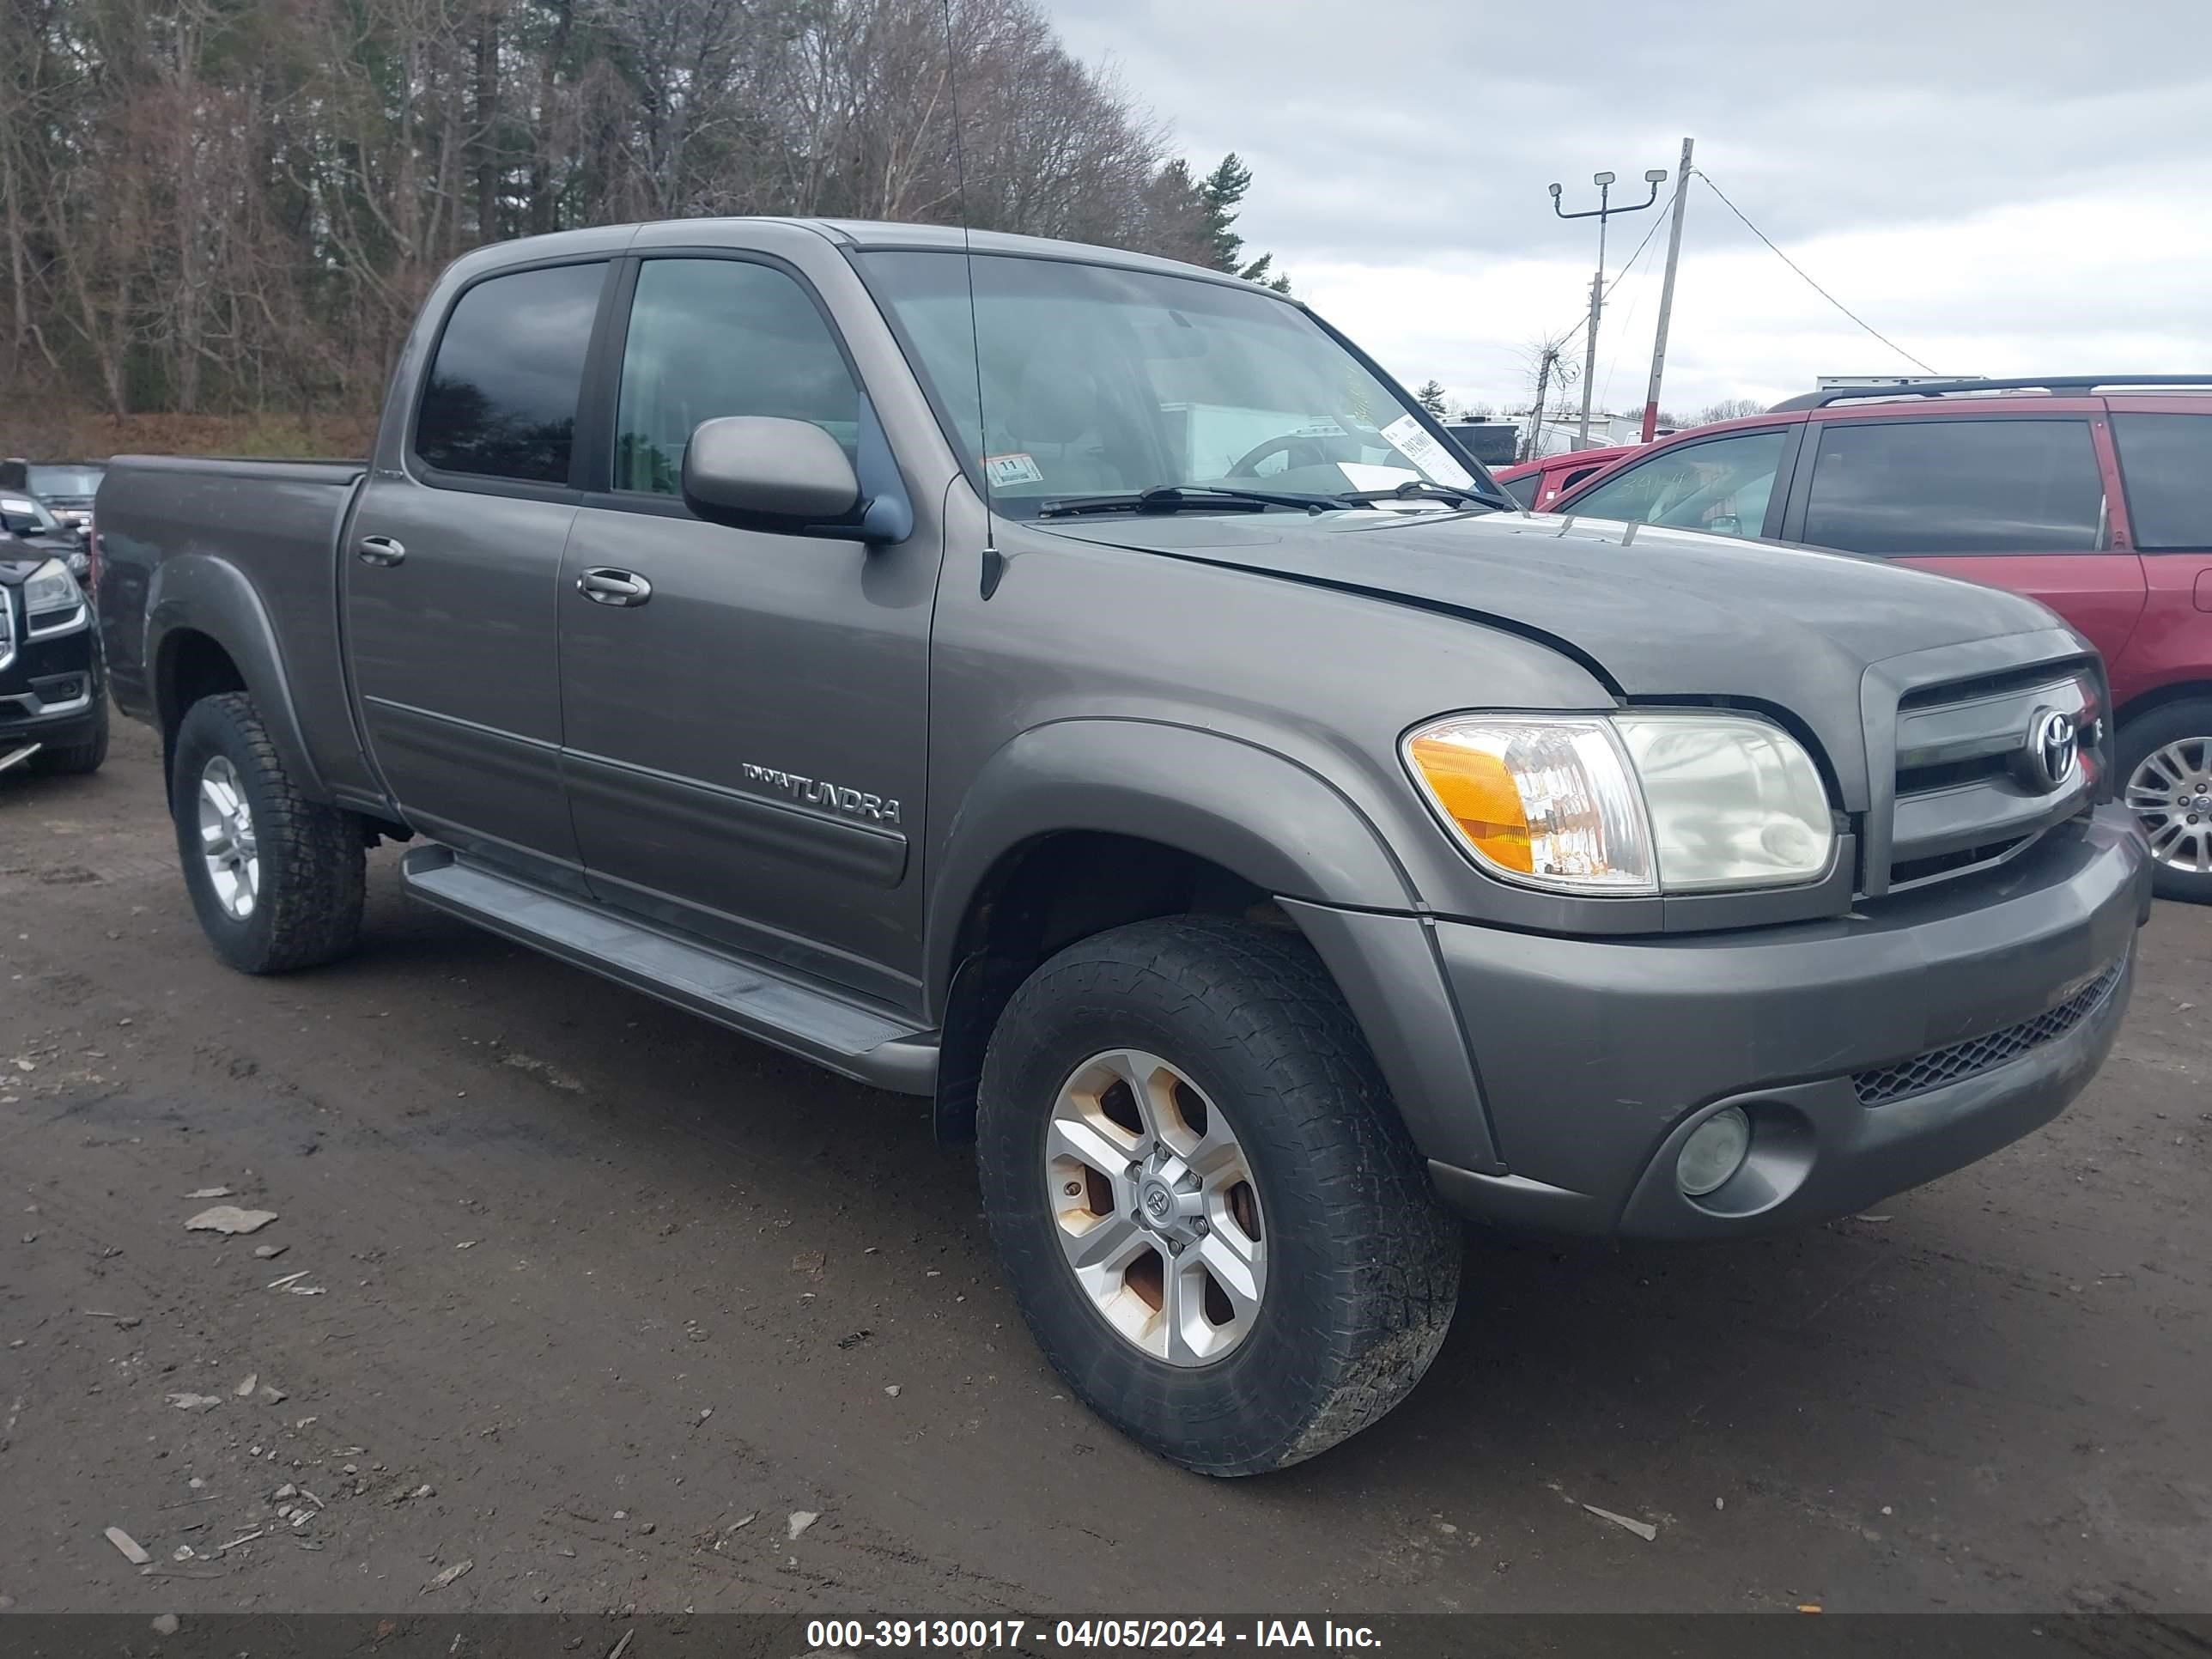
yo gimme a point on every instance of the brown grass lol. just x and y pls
(42, 433)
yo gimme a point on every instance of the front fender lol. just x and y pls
(1280, 825)
(202, 593)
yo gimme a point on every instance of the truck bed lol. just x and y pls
(176, 536)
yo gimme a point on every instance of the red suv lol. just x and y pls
(2093, 494)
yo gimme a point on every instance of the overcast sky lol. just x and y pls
(2010, 186)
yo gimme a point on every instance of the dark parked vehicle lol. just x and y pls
(66, 487)
(1491, 442)
(1083, 690)
(27, 519)
(53, 702)
(2093, 494)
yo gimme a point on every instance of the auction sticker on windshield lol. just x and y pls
(1408, 437)
(1005, 470)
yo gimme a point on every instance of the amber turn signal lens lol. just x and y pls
(1479, 795)
(1542, 799)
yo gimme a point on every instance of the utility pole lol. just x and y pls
(1589, 345)
(1550, 356)
(1667, 295)
(1601, 212)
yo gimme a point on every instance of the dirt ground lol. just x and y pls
(598, 1299)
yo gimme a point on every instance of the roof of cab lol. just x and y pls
(858, 233)
(887, 233)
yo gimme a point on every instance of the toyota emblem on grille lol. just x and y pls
(2053, 746)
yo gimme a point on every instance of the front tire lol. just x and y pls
(277, 879)
(1209, 1213)
(2166, 778)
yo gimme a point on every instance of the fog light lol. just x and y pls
(1714, 1151)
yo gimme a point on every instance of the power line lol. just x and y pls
(1583, 321)
(1810, 282)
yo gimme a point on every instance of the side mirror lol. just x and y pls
(757, 472)
(1725, 524)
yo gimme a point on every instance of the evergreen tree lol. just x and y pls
(1220, 194)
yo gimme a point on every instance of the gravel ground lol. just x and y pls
(574, 1301)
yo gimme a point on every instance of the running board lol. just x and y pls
(859, 1042)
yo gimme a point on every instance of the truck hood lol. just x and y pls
(1657, 613)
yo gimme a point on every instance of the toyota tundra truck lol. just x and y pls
(1085, 692)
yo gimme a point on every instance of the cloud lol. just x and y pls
(2011, 190)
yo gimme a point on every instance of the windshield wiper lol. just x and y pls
(1175, 498)
(1421, 489)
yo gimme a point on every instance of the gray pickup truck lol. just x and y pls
(1085, 691)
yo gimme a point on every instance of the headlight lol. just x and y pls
(52, 599)
(1631, 803)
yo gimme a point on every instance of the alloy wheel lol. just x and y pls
(1156, 1209)
(2170, 791)
(226, 840)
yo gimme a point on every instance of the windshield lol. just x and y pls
(1096, 380)
(65, 481)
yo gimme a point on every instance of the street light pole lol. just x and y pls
(1667, 295)
(1601, 212)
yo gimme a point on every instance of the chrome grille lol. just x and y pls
(1938, 1067)
(1962, 797)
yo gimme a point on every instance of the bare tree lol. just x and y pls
(1729, 409)
(210, 205)
(1551, 369)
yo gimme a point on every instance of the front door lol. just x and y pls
(451, 569)
(1724, 486)
(2012, 501)
(746, 713)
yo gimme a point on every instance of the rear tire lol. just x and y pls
(2166, 778)
(1360, 1269)
(78, 757)
(277, 878)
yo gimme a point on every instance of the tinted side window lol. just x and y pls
(710, 337)
(1523, 490)
(2165, 461)
(1941, 487)
(501, 402)
(1722, 486)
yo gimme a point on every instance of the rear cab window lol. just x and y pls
(2166, 467)
(1932, 487)
(501, 399)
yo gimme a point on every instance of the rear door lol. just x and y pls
(451, 566)
(2012, 500)
(2165, 450)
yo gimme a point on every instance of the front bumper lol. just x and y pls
(1596, 1059)
(51, 691)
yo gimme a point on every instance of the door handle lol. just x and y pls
(379, 550)
(603, 584)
